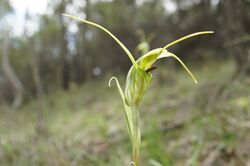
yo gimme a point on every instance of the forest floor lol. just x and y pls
(182, 123)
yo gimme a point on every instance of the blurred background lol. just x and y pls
(55, 104)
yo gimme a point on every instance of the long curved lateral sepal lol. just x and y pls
(186, 37)
(169, 54)
(128, 113)
(109, 33)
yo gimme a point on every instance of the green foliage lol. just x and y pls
(5, 7)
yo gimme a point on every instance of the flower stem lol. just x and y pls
(136, 140)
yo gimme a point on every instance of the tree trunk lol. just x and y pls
(11, 76)
(41, 128)
(85, 60)
(234, 14)
(64, 70)
(65, 64)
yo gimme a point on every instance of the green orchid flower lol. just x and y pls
(138, 80)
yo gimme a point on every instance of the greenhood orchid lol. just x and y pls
(138, 80)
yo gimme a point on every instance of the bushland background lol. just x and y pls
(55, 104)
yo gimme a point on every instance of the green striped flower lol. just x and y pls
(138, 80)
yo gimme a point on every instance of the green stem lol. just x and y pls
(136, 138)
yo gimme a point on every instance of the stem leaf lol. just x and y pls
(128, 111)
